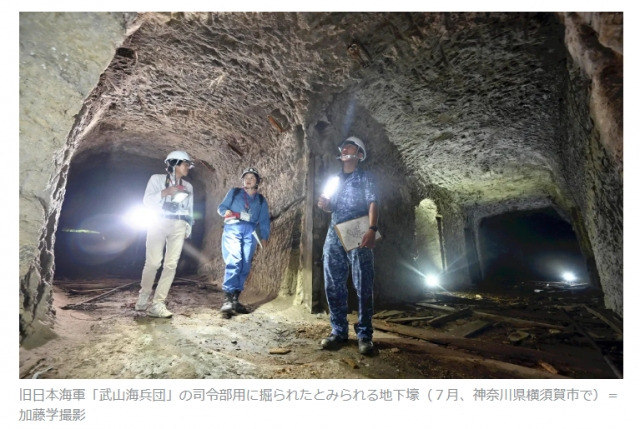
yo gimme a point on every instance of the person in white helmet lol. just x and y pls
(356, 196)
(171, 197)
(246, 224)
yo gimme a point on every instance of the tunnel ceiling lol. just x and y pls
(470, 101)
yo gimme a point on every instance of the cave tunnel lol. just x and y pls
(99, 232)
(495, 140)
(529, 246)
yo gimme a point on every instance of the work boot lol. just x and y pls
(227, 306)
(332, 342)
(143, 301)
(158, 309)
(365, 346)
(236, 306)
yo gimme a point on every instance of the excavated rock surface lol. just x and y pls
(469, 100)
(480, 113)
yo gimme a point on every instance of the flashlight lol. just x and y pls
(569, 277)
(140, 217)
(330, 187)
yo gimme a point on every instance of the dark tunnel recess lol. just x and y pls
(530, 246)
(98, 234)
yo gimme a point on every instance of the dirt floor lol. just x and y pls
(108, 339)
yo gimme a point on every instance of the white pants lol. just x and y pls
(170, 232)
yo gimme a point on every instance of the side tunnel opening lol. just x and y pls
(98, 233)
(535, 245)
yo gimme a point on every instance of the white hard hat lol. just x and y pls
(252, 171)
(179, 155)
(356, 141)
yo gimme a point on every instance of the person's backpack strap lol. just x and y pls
(235, 192)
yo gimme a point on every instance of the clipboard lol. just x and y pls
(352, 231)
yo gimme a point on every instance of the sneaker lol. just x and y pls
(143, 301)
(159, 310)
(365, 346)
(332, 342)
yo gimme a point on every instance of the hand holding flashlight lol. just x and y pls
(324, 203)
(329, 189)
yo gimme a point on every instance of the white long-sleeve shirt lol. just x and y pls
(153, 198)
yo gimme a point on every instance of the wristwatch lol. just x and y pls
(375, 228)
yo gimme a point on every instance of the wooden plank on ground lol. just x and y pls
(471, 329)
(441, 320)
(611, 324)
(95, 298)
(387, 313)
(519, 323)
(436, 307)
(594, 345)
(485, 347)
(442, 354)
(409, 319)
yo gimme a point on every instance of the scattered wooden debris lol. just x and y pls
(409, 319)
(593, 344)
(548, 367)
(518, 323)
(279, 351)
(387, 313)
(95, 298)
(441, 320)
(435, 306)
(87, 285)
(471, 329)
(487, 348)
(611, 324)
(441, 354)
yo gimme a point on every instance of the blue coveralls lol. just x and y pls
(352, 199)
(238, 242)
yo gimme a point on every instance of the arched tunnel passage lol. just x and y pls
(99, 234)
(423, 102)
(532, 245)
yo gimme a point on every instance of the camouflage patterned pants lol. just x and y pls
(336, 263)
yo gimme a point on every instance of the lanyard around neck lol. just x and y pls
(246, 199)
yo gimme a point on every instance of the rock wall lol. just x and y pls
(61, 57)
(592, 153)
(423, 143)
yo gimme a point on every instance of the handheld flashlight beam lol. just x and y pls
(330, 187)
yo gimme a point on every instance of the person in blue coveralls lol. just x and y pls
(356, 196)
(246, 221)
